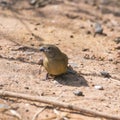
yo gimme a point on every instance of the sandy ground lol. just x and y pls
(70, 26)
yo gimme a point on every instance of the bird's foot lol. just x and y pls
(48, 76)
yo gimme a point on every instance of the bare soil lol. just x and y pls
(69, 25)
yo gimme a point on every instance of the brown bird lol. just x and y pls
(55, 61)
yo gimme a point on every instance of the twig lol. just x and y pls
(38, 112)
(56, 103)
(99, 75)
(61, 116)
(41, 110)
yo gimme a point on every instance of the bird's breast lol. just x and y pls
(55, 67)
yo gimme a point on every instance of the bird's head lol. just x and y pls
(50, 50)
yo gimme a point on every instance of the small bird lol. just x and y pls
(55, 61)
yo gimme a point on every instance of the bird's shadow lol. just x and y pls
(71, 79)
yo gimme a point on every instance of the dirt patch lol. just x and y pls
(70, 26)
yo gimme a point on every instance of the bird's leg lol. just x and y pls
(47, 76)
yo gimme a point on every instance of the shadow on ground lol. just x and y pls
(72, 79)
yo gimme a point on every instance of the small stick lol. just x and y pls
(37, 113)
(41, 110)
(57, 103)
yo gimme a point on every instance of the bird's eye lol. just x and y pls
(49, 48)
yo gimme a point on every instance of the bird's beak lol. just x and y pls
(42, 49)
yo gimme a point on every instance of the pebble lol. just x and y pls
(104, 2)
(32, 2)
(88, 32)
(35, 29)
(57, 84)
(71, 36)
(105, 74)
(117, 40)
(42, 94)
(37, 23)
(82, 27)
(26, 88)
(74, 65)
(98, 87)
(85, 49)
(32, 44)
(110, 59)
(27, 110)
(117, 48)
(78, 93)
(27, 104)
(0, 48)
(4, 107)
(98, 28)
